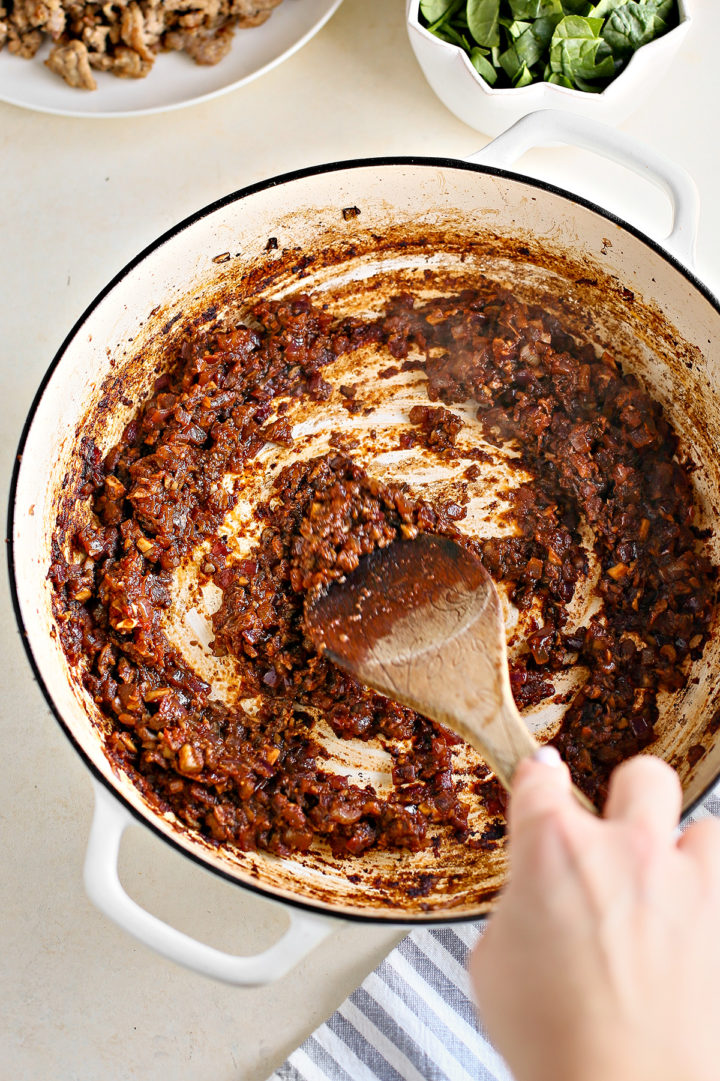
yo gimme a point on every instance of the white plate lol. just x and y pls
(175, 80)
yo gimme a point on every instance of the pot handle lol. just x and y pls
(550, 126)
(104, 889)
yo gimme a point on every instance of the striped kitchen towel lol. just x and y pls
(413, 1018)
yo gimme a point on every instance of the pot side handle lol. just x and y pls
(104, 889)
(550, 126)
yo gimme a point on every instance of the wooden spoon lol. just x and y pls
(421, 622)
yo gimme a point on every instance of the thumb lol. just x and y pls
(541, 787)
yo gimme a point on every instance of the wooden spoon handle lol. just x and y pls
(505, 742)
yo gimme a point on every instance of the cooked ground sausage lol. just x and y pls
(124, 37)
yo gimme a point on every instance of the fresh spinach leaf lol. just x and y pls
(483, 19)
(515, 27)
(631, 26)
(524, 76)
(482, 65)
(455, 37)
(449, 17)
(528, 48)
(510, 62)
(543, 30)
(577, 26)
(605, 7)
(587, 60)
(432, 10)
(577, 50)
(576, 7)
(663, 8)
(535, 9)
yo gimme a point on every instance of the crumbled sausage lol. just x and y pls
(124, 38)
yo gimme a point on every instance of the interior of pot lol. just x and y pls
(356, 236)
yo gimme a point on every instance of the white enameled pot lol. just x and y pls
(415, 217)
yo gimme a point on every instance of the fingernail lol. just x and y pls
(548, 756)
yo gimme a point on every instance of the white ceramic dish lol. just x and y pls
(466, 94)
(627, 292)
(175, 80)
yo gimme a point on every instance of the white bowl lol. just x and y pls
(449, 72)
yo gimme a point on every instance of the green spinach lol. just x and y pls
(483, 21)
(579, 44)
(631, 26)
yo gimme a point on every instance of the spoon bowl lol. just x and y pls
(421, 622)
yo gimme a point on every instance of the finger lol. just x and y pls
(480, 968)
(540, 787)
(645, 791)
(701, 841)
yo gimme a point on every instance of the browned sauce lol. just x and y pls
(598, 448)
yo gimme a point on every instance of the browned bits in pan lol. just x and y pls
(598, 449)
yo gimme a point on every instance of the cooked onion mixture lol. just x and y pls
(125, 36)
(601, 455)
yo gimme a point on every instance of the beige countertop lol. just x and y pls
(79, 999)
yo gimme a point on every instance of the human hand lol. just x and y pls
(602, 960)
